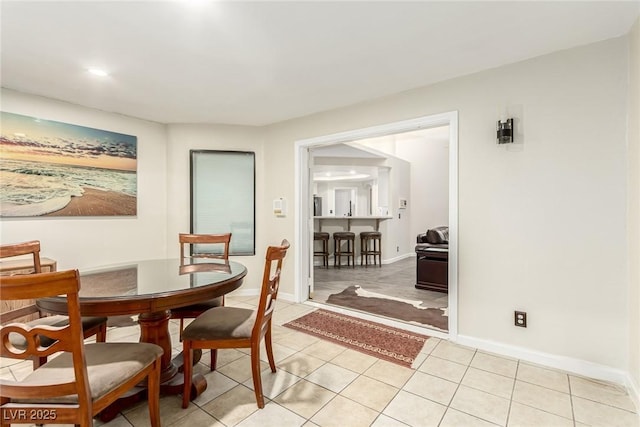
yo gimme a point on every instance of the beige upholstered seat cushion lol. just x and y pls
(108, 365)
(19, 342)
(221, 323)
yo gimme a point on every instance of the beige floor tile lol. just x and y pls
(543, 398)
(324, 350)
(233, 406)
(279, 331)
(286, 314)
(453, 352)
(240, 304)
(389, 373)
(170, 411)
(217, 384)
(544, 377)
(272, 415)
(443, 368)
(5, 362)
(419, 360)
(225, 356)
(119, 421)
(21, 370)
(126, 334)
(369, 392)
(354, 360)
(240, 369)
(296, 340)
(481, 404)
(280, 352)
(5, 374)
(342, 412)
(431, 387)
(385, 421)
(601, 391)
(455, 418)
(414, 410)
(496, 364)
(305, 398)
(274, 383)
(332, 377)
(197, 418)
(598, 414)
(301, 364)
(525, 416)
(489, 382)
(429, 345)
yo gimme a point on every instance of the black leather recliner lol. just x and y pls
(432, 259)
(434, 238)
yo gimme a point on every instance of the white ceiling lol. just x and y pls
(255, 63)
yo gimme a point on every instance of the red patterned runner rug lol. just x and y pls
(381, 341)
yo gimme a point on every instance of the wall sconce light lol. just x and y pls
(505, 131)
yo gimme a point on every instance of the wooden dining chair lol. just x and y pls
(216, 241)
(83, 379)
(30, 312)
(233, 327)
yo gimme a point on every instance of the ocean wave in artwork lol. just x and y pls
(34, 188)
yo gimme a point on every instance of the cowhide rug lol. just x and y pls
(397, 308)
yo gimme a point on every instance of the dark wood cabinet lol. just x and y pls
(432, 270)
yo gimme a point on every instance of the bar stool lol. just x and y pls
(324, 253)
(370, 244)
(338, 238)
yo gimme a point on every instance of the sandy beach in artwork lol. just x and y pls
(98, 203)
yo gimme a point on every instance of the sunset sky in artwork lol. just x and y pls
(37, 140)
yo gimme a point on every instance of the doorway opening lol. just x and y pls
(386, 206)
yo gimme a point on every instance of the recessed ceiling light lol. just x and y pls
(98, 72)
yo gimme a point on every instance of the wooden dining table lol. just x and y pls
(150, 289)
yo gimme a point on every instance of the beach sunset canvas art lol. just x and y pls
(49, 168)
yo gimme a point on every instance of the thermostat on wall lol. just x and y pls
(280, 207)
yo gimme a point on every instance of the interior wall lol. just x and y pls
(83, 242)
(428, 152)
(530, 215)
(633, 213)
(182, 138)
(396, 242)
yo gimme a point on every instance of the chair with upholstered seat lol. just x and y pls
(83, 379)
(233, 327)
(215, 241)
(90, 325)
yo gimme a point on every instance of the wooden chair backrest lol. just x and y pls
(12, 312)
(270, 286)
(27, 248)
(67, 338)
(199, 239)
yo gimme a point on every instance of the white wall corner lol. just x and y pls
(633, 388)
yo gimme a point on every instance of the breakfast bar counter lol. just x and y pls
(350, 219)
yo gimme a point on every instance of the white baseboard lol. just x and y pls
(318, 263)
(286, 297)
(569, 364)
(398, 258)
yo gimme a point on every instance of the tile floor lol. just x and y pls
(322, 384)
